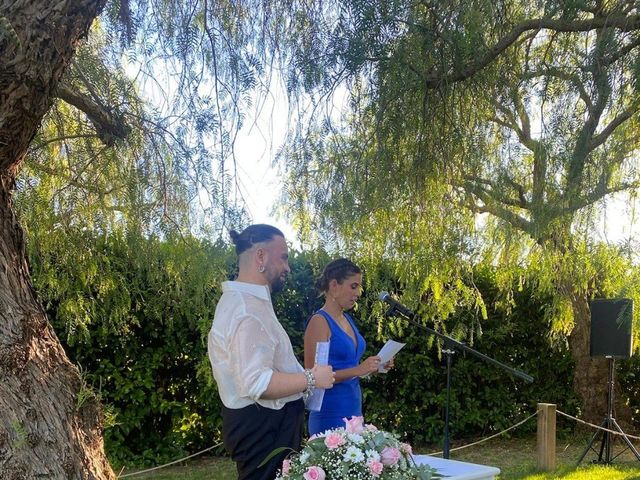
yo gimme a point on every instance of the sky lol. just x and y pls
(259, 180)
(617, 223)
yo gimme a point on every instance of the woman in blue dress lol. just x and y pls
(341, 285)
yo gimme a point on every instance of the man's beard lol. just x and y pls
(277, 284)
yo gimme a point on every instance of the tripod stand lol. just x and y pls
(609, 423)
(450, 344)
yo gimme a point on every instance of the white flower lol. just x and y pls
(353, 454)
(304, 456)
(372, 455)
(355, 438)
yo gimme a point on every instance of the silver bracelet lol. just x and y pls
(311, 382)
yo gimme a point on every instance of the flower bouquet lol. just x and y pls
(358, 451)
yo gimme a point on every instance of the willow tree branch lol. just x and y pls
(599, 193)
(614, 57)
(109, 127)
(49, 141)
(495, 191)
(71, 181)
(509, 121)
(562, 75)
(606, 132)
(625, 23)
(494, 208)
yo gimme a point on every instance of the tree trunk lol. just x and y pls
(46, 429)
(591, 374)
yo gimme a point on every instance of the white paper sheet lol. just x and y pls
(387, 352)
(314, 402)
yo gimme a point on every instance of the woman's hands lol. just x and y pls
(368, 366)
(372, 365)
(387, 366)
(324, 376)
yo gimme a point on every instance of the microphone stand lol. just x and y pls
(450, 344)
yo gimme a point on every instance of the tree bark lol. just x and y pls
(47, 430)
(591, 374)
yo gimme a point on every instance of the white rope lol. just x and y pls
(218, 444)
(597, 426)
(432, 454)
(488, 438)
(170, 463)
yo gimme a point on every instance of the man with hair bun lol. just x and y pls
(260, 381)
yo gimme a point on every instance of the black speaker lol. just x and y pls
(611, 327)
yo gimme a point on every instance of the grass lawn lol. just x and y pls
(516, 459)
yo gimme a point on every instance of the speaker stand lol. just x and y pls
(609, 423)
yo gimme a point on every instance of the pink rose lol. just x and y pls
(314, 473)
(370, 428)
(286, 466)
(375, 467)
(333, 440)
(406, 448)
(390, 455)
(354, 425)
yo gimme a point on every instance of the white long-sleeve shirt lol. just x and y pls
(247, 344)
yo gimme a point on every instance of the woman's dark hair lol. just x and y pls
(253, 234)
(338, 270)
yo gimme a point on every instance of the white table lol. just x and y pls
(455, 470)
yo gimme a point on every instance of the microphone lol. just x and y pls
(395, 305)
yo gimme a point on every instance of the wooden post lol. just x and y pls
(546, 436)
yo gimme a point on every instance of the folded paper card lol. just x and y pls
(387, 352)
(314, 402)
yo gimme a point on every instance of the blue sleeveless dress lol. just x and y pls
(345, 398)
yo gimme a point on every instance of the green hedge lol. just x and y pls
(134, 314)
